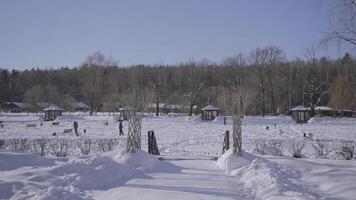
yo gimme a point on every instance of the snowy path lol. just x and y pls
(197, 179)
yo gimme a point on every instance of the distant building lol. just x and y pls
(126, 112)
(321, 111)
(300, 114)
(81, 106)
(152, 107)
(14, 107)
(209, 112)
(52, 112)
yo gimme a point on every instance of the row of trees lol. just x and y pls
(271, 84)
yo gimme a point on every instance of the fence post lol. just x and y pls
(226, 144)
(149, 142)
(152, 143)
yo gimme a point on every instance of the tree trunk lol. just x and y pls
(157, 107)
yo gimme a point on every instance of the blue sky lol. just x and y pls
(42, 33)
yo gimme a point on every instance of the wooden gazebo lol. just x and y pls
(52, 112)
(126, 112)
(209, 112)
(301, 114)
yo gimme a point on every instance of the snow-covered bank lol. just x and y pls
(271, 177)
(47, 178)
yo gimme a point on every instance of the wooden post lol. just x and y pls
(152, 143)
(149, 142)
(226, 144)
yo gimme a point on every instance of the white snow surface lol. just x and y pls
(188, 145)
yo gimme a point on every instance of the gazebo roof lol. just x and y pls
(127, 108)
(53, 108)
(210, 107)
(80, 105)
(300, 108)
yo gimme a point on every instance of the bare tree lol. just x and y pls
(134, 133)
(195, 84)
(258, 58)
(344, 22)
(232, 100)
(157, 85)
(94, 80)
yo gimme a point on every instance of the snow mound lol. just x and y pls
(264, 179)
(140, 160)
(51, 193)
(229, 161)
(12, 160)
(101, 172)
(195, 119)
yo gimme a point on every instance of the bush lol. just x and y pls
(41, 146)
(260, 146)
(272, 147)
(347, 149)
(60, 147)
(2, 144)
(276, 147)
(85, 145)
(322, 148)
(295, 147)
(19, 145)
(106, 144)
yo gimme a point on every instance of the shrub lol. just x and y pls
(322, 148)
(295, 147)
(347, 149)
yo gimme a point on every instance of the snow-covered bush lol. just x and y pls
(19, 144)
(347, 149)
(106, 144)
(273, 147)
(41, 146)
(2, 144)
(276, 147)
(295, 147)
(60, 147)
(85, 145)
(322, 148)
(260, 146)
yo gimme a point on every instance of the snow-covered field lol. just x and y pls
(188, 144)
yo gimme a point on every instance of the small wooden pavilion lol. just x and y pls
(52, 112)
(322, 111)
(126, 112)
(301, 114)
(209, 112)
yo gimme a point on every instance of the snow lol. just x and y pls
(271, 177)
(210, 107)
(188, 170)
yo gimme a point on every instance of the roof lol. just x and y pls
(18, 104)
(45, 104)
(80, 105)
(300, 108)
(127, 108)
(153, 105)
(53, 108)
(210, 107)
(323, 108)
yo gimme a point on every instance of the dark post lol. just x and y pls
(226, 144)
(149, 142)
(152, 144)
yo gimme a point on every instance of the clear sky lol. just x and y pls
(54, 33)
